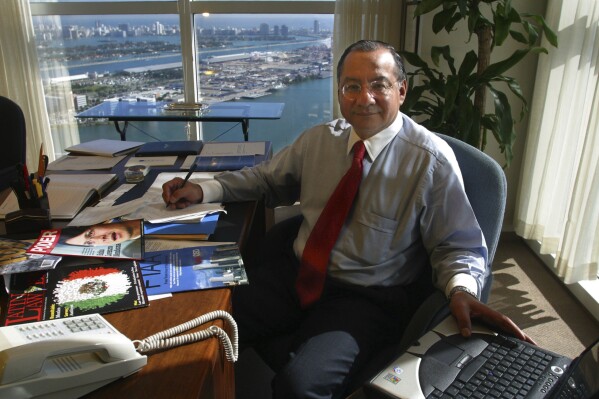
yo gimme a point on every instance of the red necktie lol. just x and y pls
(315, 259)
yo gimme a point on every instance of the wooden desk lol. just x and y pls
(198, 370)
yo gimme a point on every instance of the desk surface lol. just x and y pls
(198, 370)
(156, 111)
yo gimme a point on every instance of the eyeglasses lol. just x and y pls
(376, 88)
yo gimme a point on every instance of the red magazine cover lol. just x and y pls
(122, 240)
(74, 290)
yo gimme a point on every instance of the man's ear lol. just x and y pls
(403, 90)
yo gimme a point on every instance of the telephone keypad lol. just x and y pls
(62, 328)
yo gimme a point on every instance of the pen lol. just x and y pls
(40, 165)
(192, 169)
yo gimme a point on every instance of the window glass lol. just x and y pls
(85, 60)
(88, 59)
(267, 58)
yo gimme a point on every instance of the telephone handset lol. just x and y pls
(64, 358)
(68, 358)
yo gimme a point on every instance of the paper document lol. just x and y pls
(105, 147)
(152, 161)
(84, 162)
(233, 148)
(67, 194)
(98, 214)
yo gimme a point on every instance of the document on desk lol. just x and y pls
(152, 161)
(84, 162)
(67, 194)
(255, 149)
(150, 206)
(98, 214)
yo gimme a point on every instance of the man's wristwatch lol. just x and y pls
(460, 288)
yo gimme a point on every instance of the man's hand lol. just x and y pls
(177, 196)
(465, 307)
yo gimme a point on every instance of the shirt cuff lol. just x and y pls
(462, 280)
(213, 191)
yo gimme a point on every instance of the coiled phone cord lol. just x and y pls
(165, 339)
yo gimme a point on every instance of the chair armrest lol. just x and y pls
(430, 313)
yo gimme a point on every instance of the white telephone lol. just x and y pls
(64, 358)
(68, 358)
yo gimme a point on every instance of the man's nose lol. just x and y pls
(365, 97)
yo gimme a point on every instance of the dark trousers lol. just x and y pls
(322, 347)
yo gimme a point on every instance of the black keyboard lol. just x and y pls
(505, 369)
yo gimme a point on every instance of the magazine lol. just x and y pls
(73, 291)
(183, 231)
(194, 268)
(123, 240)
(15, 259)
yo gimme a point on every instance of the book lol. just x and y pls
(85, 162)
(232, 155)
(67, 193)
(193, 268)
(118, 240)
(183, 231)
(104, 147)
(164, 148)
(225, 162)
(15, 259)
(73, 291)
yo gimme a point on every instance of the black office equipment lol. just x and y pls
(442, 363)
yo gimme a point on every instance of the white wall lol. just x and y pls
(524, 73)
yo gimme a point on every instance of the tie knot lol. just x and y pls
(359, 150)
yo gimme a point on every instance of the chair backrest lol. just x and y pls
(13, 136)
(486, 188)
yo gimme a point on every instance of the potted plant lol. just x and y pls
(453, 101)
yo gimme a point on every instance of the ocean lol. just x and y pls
(306, 103)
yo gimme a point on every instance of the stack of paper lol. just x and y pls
(105, 147)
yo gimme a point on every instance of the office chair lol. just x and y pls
(13, 140)
(486, 188)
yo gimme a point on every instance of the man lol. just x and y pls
(410, 212)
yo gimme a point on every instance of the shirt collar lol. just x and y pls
(375, 144)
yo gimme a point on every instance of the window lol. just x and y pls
(244, 51)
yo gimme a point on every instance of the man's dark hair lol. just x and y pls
(373, 45)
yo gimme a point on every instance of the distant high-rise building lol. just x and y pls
(264, 29)
(276, 31)
(69, 32)
(284, 30)
(316, 26)
(80, 101)
(159, 28)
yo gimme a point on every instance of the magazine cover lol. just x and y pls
(183, 231)
(15, 259)
(194, 268)
(74, 291)
(121, 239)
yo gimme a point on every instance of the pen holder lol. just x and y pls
(31, 219)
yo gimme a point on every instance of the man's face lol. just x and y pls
(103, 235)
(370, 112)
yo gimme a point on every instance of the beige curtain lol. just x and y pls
(558, 200)
(364, 19)
(20, 75)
